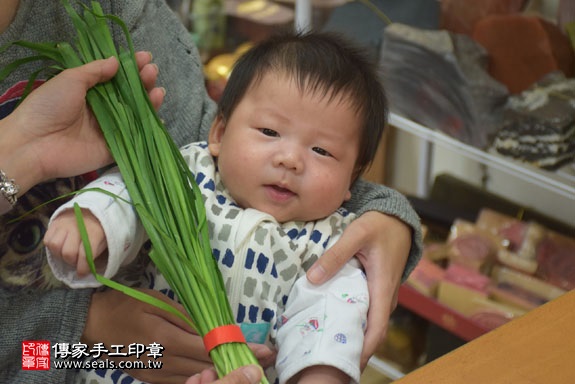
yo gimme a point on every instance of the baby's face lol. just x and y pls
(287, 153)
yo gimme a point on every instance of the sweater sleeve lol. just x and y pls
(57, 316)
(368, 196)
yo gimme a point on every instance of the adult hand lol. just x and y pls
(382, 244)
(117, 319)
(53, 132)
(250, 374)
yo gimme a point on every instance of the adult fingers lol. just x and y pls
(94, 72)
(149, 75)
(157, 97)
(206, 376)
(340, 253)
(380, 308)
(176, 320)
(143, 58)
(265, 355)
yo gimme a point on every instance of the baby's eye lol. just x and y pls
(269, 132)
(321, 151)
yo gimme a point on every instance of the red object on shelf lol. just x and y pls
(439, 314)
(460, 16)
(523, 49)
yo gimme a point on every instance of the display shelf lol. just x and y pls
(439, 314)
(561, 182)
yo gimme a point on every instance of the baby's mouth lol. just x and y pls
(281, 189)
(280, 192)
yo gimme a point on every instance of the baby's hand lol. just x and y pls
(63, 239)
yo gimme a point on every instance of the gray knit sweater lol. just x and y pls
(44, 311)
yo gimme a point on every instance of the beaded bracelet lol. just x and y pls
(8, 193)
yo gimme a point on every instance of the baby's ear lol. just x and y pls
(216, 134)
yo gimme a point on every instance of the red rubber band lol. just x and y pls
(222, 335)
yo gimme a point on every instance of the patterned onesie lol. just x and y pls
(263, 264)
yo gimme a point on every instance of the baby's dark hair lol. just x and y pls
(319, 62)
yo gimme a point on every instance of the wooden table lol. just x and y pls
(537, 348)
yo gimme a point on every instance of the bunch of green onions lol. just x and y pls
(162, 188)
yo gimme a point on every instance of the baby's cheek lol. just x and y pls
(333, 185)
(328, 195)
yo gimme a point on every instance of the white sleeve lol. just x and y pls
(324, 325)
(122, 227)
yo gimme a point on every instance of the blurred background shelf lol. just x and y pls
(439, 314)
(561, 182)
(380, 371)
